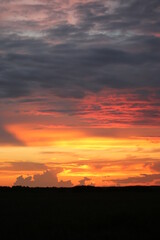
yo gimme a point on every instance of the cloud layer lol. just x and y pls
(87, 59)
(80, 79)
(84, 48)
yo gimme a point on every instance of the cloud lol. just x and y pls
(84, 180)
(70, 51)
(123, 132)
(156, 165)
(143, 179)
(7, 138)
(46, 179)
(27, 166)
(100, 49)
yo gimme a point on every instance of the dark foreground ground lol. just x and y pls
(80, 213)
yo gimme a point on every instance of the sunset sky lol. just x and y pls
(79, 92)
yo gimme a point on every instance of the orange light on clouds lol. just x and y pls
(79, 93)
(81, 154)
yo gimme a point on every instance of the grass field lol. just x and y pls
(80, 213)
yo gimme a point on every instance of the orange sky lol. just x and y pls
(79, 93)
(100, 147)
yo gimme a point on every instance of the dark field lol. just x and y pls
(80, 213)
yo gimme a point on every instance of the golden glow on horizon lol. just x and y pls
(105, 153)
(101, 159)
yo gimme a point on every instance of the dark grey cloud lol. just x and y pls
(46, 179)
(71, 72)
(105, 48)
(145, 12)
(127, 15)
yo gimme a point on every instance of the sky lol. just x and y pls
(79, 92)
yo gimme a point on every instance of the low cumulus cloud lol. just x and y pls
(46, 179)
(84, 180)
